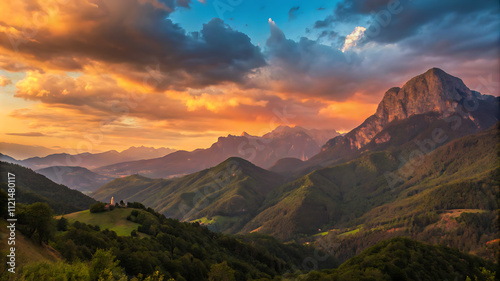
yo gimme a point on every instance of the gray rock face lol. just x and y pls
(432, 91)
(435, 90)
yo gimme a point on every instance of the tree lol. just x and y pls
(97, 207)
(104, 266)
(55, 271)
(62, 224)
(37, 221)
(221, 272)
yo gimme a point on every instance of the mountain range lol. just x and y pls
(31, 187)
(79, 178)
(422, 146)
(84, 172)
(264, 151)
(73, 171)
(94, 160)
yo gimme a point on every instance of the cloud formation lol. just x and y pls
(30, 134)
(292, 13)
(401, 39)
(127, 70)
(352, 39)
(130, 36)
(311, 69)
(4, 81)
(454, 28)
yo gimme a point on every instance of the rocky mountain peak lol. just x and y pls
(434, 90)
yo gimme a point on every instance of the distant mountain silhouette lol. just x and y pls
(32, 187)
(264, 151)
(78, 178)
(94, 160)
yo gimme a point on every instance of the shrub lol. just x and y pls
(98, 207)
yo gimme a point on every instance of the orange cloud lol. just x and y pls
(349, 110)
(126, 37)
(122, 70)
(4, 81)
(116, 109)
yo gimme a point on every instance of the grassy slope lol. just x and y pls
(115, 220)
(27, 251)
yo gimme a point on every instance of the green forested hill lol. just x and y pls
(334, 197)
(165, 247)
(406, 259)
(123, 188)
(228, 195)
(371, 191)
(178, 251)
(32, 187)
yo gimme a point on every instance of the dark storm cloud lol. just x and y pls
(130, 36)
(314, 69)
(292, 12)
(309, 67)
(221, 54)
(434, 27)
(184, 3)
(333, 36)
(324, 23)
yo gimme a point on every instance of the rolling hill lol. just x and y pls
(406, 259)
(115, 220)
(184, 251)
(187, 251)
(232, 191)
(32, 187)
(78, 178)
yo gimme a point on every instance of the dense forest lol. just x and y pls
(163, 248)
(166, 249)
(405, 259)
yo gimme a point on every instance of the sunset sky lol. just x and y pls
(110, 74)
